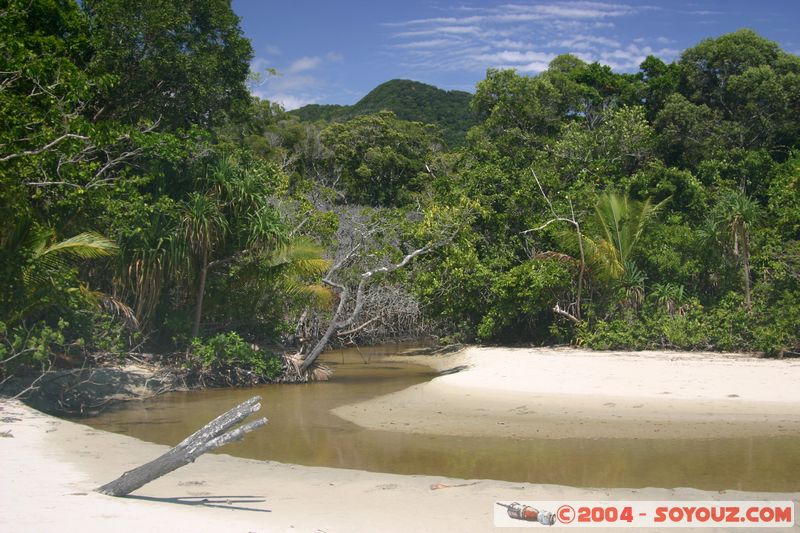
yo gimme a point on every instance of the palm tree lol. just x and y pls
(731, 220)
(670, 296)
(146, 260)
(232, 221)
(298, 262)
(620, 222)
(631, 286)
(41, 261)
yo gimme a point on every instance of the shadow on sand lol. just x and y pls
(221, 502)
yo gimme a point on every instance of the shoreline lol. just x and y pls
(50, 466)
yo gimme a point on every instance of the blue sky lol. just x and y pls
(334, 52)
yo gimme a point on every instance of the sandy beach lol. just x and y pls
(50, 466)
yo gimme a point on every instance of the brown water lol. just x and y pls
(301, 430)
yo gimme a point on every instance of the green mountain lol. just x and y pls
(409, 100)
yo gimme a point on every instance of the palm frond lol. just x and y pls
(621, 222)
(113, 305)
(323, 296)
(88, 245)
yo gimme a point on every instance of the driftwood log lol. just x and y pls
(213, 435)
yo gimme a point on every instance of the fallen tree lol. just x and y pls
(210, 437)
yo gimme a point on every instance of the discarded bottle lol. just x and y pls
(527, 513)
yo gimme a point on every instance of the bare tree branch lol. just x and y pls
(574, 222)
(44, 148)
(338, 322)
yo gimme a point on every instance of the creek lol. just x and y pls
(301, 430)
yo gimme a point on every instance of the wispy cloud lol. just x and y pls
(272, 50)
(704, 13)
(295, 85)
(303, 64)
(525, 37)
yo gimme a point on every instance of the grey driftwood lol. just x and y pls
(210, 437)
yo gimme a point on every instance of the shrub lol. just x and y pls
(522, 300)
(227, 351)
(30, 349)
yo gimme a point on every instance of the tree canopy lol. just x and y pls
(149, 200)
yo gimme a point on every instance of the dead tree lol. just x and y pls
(557, 309)
(339, 321)
(213, 435)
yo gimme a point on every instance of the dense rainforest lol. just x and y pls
(150, 204)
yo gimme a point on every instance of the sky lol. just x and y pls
(336, 51)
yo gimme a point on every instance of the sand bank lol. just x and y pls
(565, 393)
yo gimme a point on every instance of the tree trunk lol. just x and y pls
(583, 263)
(208, 438)
(748, 303)
(201, 290)
(334, 325)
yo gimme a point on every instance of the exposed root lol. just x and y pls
(316, 372)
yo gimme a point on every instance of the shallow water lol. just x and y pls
(301, 430)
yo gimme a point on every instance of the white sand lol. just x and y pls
(557, 393)
(49, 466)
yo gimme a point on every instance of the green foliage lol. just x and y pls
(177, 62)
(522, 299)
(131, 120)
(743, 89)
(26, 348)
(784, 198)
(40, 273)
(225, 351)
(380, 157)
(619, 222)
(615, 144)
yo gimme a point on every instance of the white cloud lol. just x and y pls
(433, 43)
(514, 57)
(584, 42)
(525, 37)
(272, 50)
(294, 85)
(454, 30)
(303, 64)
(292, 101)
(260, 65)
(705, 13)
(514, 45)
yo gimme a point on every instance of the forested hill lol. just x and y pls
(409, 100)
